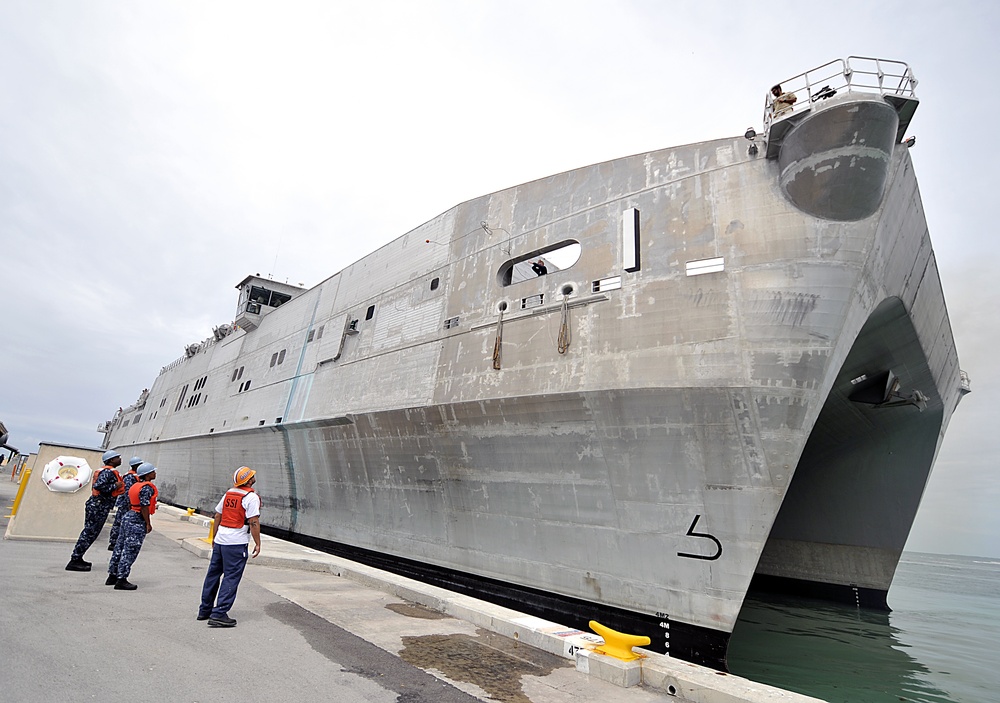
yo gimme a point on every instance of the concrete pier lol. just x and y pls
(312, 627)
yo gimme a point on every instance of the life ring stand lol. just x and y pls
(66, 474)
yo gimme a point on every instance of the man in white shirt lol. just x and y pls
(237, 518)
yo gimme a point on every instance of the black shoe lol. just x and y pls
(112, 580)
(124, 585)
(202, 617)
(221, 621)
(78, 565)
(111, 547)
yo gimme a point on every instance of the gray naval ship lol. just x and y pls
(629, 392)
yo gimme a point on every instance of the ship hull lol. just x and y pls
(641, 435)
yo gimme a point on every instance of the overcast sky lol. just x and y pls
(152, 154)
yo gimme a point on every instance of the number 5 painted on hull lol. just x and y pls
(692, 533)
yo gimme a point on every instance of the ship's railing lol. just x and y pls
(855, 74)
(173, 364)
(219, 333)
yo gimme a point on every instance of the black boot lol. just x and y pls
(111, 547)
(112, 580)
(124, 585)
(78, 565)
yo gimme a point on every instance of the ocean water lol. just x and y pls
(940, 643)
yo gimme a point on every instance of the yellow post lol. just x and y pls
(211, 533)
(618, 644)
(25, 475)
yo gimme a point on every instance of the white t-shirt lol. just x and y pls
(238, 535)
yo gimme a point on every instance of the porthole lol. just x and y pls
(567, 289)
(502, 306)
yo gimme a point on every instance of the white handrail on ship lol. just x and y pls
(202, 346)
(855, 74)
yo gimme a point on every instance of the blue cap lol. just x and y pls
(109, 455)
(134, 461)
(145, 468)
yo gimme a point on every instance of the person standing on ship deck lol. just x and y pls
(237, 518)
(106, 487)
(782, 102)
(135, 526)
(121, 504)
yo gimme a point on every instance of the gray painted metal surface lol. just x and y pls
(695, 431)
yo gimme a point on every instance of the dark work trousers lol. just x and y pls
(97, 510)
(228, 562)
(130, 539)
(121, 507)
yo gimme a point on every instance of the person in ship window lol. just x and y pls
(782, 102)
(539, 268)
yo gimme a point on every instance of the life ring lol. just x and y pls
(66, 474)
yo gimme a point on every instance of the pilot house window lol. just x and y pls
(260, 297)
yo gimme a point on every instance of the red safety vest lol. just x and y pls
(119, 489)
(233, 512)
(133, 496)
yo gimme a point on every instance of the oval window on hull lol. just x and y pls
(540, 262)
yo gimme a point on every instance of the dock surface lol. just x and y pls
(311, 627)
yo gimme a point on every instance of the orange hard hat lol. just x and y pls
(243, 476)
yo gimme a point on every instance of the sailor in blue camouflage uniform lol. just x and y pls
(106, 487)
(135, 526)
(121, 505)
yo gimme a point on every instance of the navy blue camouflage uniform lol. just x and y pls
(97, 510)
(131, 537)
(122, 507)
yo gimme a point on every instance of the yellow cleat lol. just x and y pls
(618, 644)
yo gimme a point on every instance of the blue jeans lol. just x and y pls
(228, 562)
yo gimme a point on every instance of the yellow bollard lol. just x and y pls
(190, 511)
(211, 533)
(618, 644)
(20, 491)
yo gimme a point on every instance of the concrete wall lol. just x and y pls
(45, 514)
